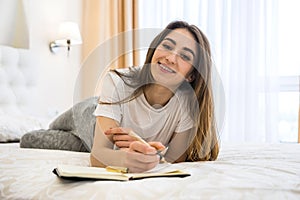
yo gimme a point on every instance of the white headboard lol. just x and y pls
(18, 80)
(18, 94)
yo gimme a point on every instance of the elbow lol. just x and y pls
(94, 162)
(176, 158)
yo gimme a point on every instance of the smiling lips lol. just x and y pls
(165, 68)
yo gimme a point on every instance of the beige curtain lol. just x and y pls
(105, 19)
(107, 24)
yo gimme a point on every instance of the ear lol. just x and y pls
(190, 78)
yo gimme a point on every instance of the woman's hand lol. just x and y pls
(141, 157)
(120, 137)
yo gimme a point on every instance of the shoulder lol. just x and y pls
(185, 95)
(185, 100)
(127, 71)
(120, 81)
(124, 74)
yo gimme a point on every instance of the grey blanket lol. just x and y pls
(72, 130)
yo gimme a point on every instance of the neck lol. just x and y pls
(157, 95)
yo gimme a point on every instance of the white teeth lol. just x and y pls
(167, 68)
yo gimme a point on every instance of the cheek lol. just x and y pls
(157, 54)
(186, 68)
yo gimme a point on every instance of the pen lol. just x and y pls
(137, 137)
(160, 153)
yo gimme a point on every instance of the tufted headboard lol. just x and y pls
(18, 83)
(18, 80)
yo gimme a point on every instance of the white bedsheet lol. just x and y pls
(241, 172)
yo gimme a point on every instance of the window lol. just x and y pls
(249, 39)
(288, 118)
(288, 69)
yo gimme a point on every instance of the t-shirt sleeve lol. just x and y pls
(184, 124)
(110, 93)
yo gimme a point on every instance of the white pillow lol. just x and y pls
(13, 127)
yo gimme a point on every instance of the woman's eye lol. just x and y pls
(166, 46)
(185, 57)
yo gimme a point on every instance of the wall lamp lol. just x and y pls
(69, 35)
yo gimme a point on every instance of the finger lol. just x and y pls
(138, 167)
(135, 170)
(157, 145)
(141, 161)
(116, 130)
(137, 162)
(122, 144)
(124, 149)
(123, 138)
(147, 160)
(141, 168)
(142, 148)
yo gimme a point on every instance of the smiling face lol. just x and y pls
(172, 61)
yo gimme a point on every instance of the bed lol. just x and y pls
(242, 171)
(265, 171)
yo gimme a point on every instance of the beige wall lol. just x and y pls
(57, 72)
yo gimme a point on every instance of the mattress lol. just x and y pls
(242, 171)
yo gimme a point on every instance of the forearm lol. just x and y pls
(138, 157)
(106, 157)
(178, 147)
(102, 153)
(95, 163)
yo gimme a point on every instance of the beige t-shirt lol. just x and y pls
(152, 124)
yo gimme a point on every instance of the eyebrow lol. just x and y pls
(184, 48)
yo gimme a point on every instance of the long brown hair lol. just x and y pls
(204, 144)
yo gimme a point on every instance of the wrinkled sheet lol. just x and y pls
(243, 171)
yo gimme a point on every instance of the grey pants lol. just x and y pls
(72, 130)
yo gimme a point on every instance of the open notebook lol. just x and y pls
(81, 173)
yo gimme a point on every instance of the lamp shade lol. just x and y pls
(70, 31)
(68, 35)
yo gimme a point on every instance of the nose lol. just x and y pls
(171, 57)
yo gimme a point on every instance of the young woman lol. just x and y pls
(168, 102)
